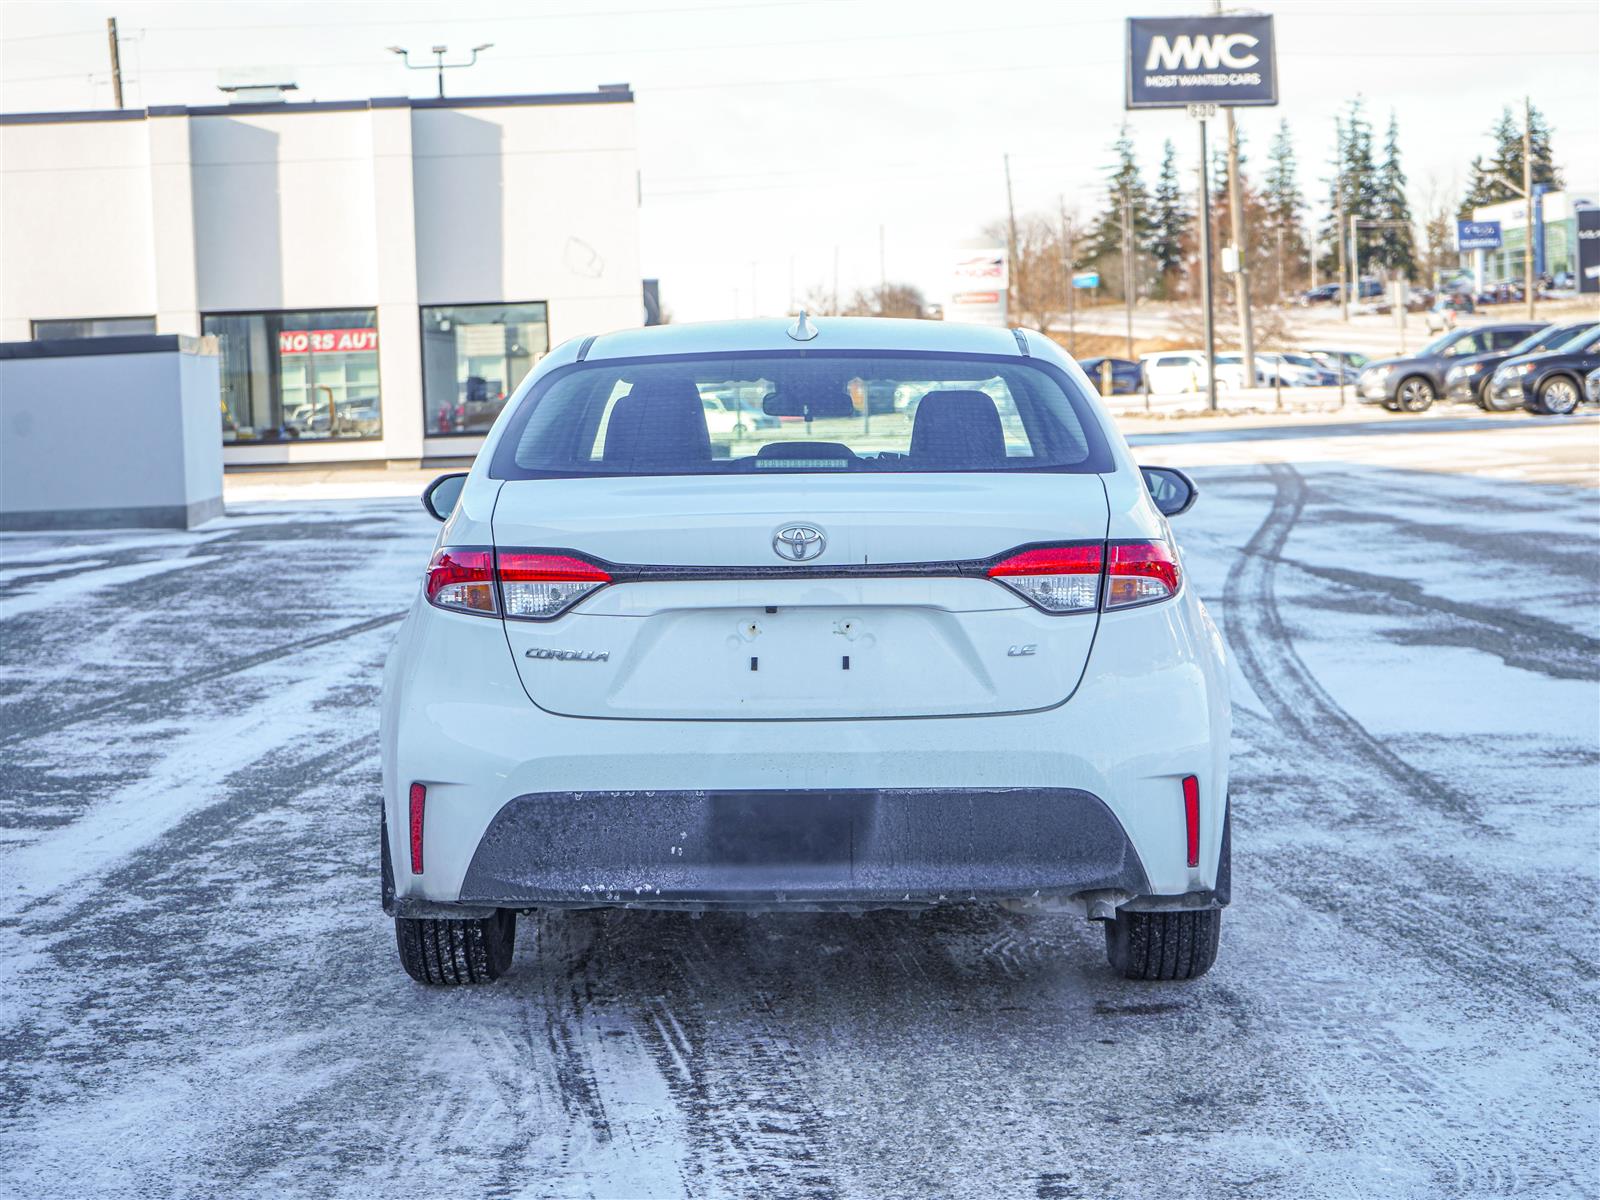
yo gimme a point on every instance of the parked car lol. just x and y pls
(1467, 379)
(958, 660)
(1591, 387)
(1294, 370)
(1231, 372)
(1447, 309)
(1327, 293)
(1412, 384)
(1176, 371)
(1126, 375)
(1551, 382)
(1349, 362)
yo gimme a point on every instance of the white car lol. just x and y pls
(1177, 371)
(848, 662)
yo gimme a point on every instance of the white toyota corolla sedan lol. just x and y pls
(921, 636)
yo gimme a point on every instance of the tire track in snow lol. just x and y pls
(168, 689)
(1293, 697)
(1349, 767)
(747, 1113)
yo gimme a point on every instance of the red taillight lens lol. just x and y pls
(1059, 579)
(1191, 817)
(1140, 573)
(462, 578)
(419, 798)
(539, 586)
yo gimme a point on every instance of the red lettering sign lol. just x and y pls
(327, 341)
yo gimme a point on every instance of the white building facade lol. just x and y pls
(380, 274)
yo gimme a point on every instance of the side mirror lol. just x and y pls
(440, 496)
(1172, 490)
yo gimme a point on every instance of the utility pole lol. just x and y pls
(1205, 268)
(1338, 228)
(116, 61)
(1069, 250)
(1241, 278)
(1127, 262)
(1011, 244)
(1527, 200)
(835, 305)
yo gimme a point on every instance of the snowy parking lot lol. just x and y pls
(199, 995)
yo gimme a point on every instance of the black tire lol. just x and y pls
(1558, 396)
(454, 952)
(1491, 404)
(1414, 395)
(1163, 945)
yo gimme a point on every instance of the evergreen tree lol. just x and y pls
(1171, 221)
(1484, 179)
(1355, 172)
(1123, 180)
(1394, 246)
(1283, 204)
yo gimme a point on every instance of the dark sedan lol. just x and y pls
(1467, 380)
(1413, 384)
(1125, 376)
(1551, 382)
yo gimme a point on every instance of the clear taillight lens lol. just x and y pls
(461, 578)
(539, 586)
(1140, 573)
(1059, 579)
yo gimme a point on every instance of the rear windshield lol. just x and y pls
(801, 411)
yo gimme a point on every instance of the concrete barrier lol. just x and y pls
(115, 432)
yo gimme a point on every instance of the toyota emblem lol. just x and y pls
(798, 543)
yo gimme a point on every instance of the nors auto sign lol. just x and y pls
(1176, 61)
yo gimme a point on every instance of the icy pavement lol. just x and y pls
(199, 995)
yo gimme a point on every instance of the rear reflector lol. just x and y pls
(539, 586)
(1059, 579)
(419, 797)
(1191, 817)
(1140, 573)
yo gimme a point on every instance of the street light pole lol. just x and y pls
(439, 65)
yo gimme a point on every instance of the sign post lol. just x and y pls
(1201, 63)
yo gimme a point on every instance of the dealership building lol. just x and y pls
(378, 274)
(1555, 238)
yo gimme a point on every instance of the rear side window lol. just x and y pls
(801, 411)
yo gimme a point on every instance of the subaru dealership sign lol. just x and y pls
(1177, 61)
(1477, 235)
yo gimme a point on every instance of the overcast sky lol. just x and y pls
(774, 132)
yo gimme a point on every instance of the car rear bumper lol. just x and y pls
(861, 847)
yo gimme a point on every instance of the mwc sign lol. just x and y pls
(327, 341)
(1177, 61)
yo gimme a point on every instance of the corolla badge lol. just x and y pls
(799, 543)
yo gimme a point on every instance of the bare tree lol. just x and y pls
(889, 300)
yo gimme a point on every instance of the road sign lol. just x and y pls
(1588, 249)
(1086, 279)
(1477, 235)
(978, 286)
(1202, 112)
(1174, 62)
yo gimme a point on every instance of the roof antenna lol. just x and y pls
(802, 330)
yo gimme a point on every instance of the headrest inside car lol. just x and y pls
(814, 404)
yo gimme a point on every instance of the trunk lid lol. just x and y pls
(785, 640)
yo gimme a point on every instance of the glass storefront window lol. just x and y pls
(298, 376)
(93, 327)
(473, 357)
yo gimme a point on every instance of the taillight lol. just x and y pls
(462, 578)
(530, 586)
(1059, 579)
(1140, 573)
(539, 586)
(1067, 579)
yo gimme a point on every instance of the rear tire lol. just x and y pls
(1163, 945)
(447, 953)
